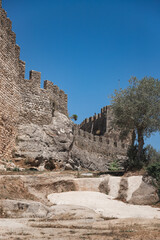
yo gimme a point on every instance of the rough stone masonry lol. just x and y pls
(34, 122)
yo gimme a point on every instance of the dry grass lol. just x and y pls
(117, 229)
(120, 231)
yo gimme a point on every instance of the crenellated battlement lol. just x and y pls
(39, 104)
(35, 78)
(17, 50)
(6, 28)
(96, 116)
(100, 144)
(104, 109)
(99, 139)
(21, 100)
(50, 87)
(100, 134)
(97, 122)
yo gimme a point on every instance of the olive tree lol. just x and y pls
(136, 109)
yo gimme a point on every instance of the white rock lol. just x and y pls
(134, 183)
(2, 168)
(104, 204)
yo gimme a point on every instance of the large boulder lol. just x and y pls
(135, 189)
(146, 193)
(73, 212)
(48, 143)
(22, 208)
(32, 209)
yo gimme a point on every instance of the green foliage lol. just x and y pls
(137, 109)
(8, 169)
(114, 166)
(152, 154)
(154, 170)
(148, 156)
(16, 169)
(133, 163)
(139, 104)
(74, 117)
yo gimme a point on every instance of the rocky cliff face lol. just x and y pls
(47, 144)
(56, 145)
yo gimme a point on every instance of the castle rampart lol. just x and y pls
(38, 105)
(22, 101)
(100, 134)
(99, 144)
(99, 123)
(9, 91)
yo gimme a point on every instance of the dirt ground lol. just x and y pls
(117, 229)
(34, 186)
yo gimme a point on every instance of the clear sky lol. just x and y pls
(88, 47)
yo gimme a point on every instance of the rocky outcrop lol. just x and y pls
(32, 209)
(47, 144)
(58, 145)
(134, 189)
(90, 160)
(19, 208)
(104, 205)
(146, 193)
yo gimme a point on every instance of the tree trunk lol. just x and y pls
(140, 144)
(133, 137)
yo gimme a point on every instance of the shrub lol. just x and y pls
(114, 166)
(133, 163)
(74, 117)
(16, 169)
(152, 154)
(154, 170)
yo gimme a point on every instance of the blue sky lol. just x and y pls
(88, 47)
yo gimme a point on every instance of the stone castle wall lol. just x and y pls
(100, 144)
(38, 105)
(22, 101)
(97, 134)
(9, 91)
(100, 123)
